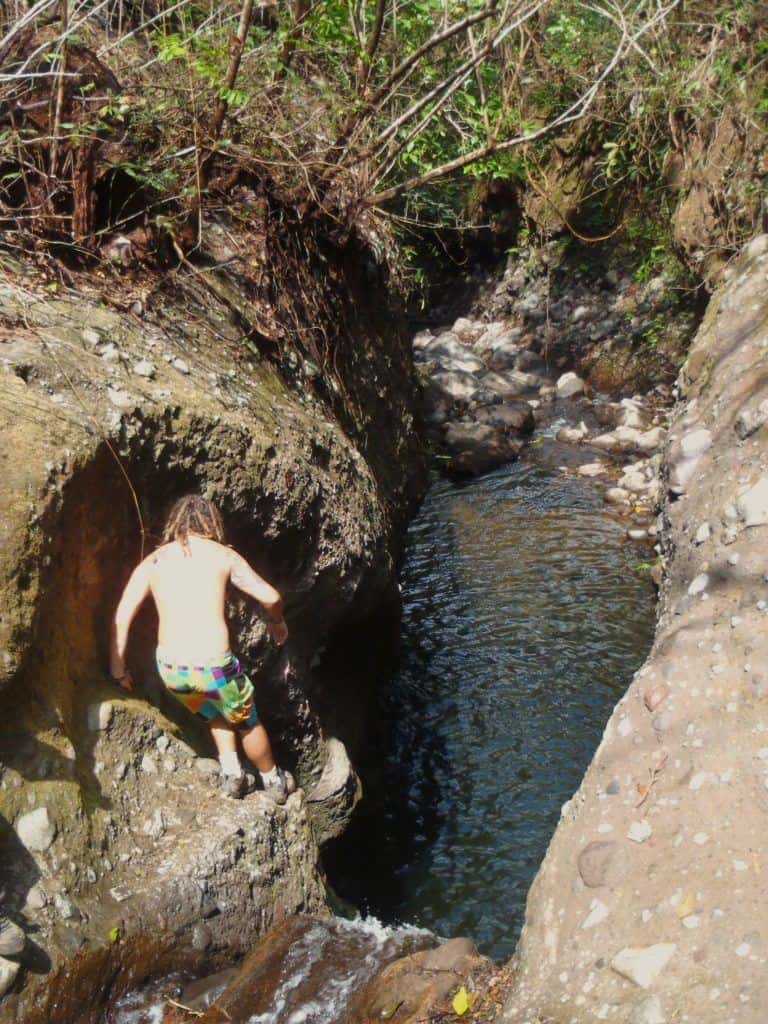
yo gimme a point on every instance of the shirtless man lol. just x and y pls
(187, 577)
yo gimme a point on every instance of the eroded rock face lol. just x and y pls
(112, 828)
(668, 828)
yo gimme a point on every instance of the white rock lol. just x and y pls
(580, 313)
(651, 440)
(751, 419)
(752, 506)
(90, 337)
(597, 914)
(649, 1011)
(100, 715)
(148, 765)
(468, 330)
(639, 831)
(121, 399)
(757, 247)
(181, 365)
(616, 496)
(607, 442)
(643, 965)
(695, 443)
(422, 339)
(572, 435)
(568, 385)
(699, 584)
(702, 534)
(145, 369)
(8, 971)
(637, 534)
(592, 469)
(35, 830)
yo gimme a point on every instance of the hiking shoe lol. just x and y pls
(12, 938)
(282, 787)
(235, 786)
(252, 781)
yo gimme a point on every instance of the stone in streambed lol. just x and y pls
(516, 416)
(643, 965)
(592, 469)
(569, 385)
(617, 496)
(478, 447)
(456, 386)
(572, 435)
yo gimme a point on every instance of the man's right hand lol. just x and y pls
(278, 631)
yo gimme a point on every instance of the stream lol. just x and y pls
(525, 617)
(525, 614)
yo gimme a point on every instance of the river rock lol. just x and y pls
(456, 386)
(35, 830)
(468, 331)
(478, 447)
(572, 435)
(617, 496)
(514, 416)
(643, 966)
(592, 469)
(505, 385)
(569, 385)
(651, 440)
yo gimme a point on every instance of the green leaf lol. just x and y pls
(114, 933)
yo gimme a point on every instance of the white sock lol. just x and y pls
(271, 777)
(230, 763)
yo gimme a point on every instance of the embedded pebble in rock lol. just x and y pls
(702, 534)
(144, 369)
(639, 831)
(643, 965)
(35, 830)
(656, 695)
(569, 385)
(597, 914)
(752, 505)
(181, 365)
(594, 862)
(649, 1011)
(699, 584)
(751, 419)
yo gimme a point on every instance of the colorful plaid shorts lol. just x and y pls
(217, 687)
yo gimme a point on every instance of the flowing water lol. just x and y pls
(525, 617)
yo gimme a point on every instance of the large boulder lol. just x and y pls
(650, 904)
(110, 824)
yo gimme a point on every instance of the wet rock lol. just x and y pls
(569, 385)
(643, 965)
(594, 863)
(592, 469)
(35, 830)
(478, 447)
(514, 416)
(572, 435)
(752, 506)
(9, 969)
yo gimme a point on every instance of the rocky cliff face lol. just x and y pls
(649, 907)
(119, 858)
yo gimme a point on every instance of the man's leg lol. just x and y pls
(257, 748)
(226, 745)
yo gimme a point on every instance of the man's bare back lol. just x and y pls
(188, 583)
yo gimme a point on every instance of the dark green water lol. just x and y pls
(524, 620)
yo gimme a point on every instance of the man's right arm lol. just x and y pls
(248, 580)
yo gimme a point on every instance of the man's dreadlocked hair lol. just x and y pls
(193, 514)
